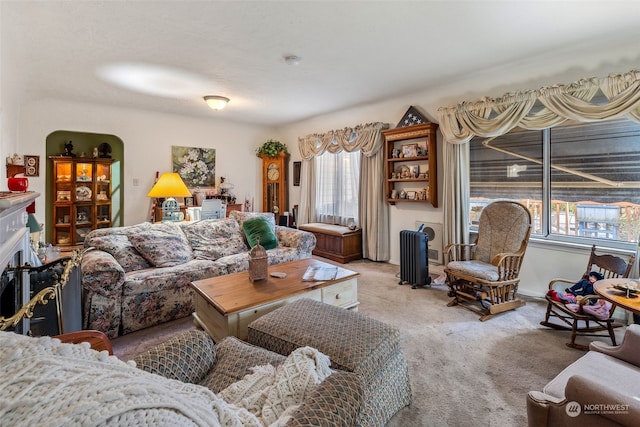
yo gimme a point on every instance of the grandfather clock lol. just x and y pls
(274, 184)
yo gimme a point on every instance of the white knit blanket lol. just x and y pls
(271, 394)
(45, 382)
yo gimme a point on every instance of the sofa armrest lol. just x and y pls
(620, 408)
(187, 357)
(303, 241)
(628, 351)
(101, 273)
(335, 402)
(544, 410)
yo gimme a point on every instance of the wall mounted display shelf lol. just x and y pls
(411, 172)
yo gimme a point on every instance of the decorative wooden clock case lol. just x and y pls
(274, 184)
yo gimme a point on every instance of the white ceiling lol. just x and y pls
(352, 52)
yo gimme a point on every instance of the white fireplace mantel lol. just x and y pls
(15, 247)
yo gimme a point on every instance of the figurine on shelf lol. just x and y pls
(95, 152)
(68, 150)
(105, 150)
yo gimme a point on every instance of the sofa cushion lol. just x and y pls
(241, 217)
(234, 360)
(214, 238)
(163, 245)
(257, 230)
(115, 241)
(187, 357)
(608, 370)
(119, 246)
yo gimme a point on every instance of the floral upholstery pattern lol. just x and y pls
(116, 242)
(164, 245)
(212, 239)
(122, 250)
(120, 297)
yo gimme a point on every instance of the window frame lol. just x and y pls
(545, 235)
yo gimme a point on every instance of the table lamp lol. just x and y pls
(34, 229)
(170, 186)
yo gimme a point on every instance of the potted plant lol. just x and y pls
(271, 148)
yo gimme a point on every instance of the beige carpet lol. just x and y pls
(463, 372)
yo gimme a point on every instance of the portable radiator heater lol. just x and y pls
(414, 261)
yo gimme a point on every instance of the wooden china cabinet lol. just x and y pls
(274, 184)
(81, 197)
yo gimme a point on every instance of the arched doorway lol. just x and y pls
(85, 142)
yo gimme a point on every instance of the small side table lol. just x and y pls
(605, 289)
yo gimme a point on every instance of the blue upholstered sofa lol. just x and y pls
(138, 276)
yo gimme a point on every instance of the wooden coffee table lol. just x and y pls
(225, 305)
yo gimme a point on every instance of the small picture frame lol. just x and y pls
(296, 173)
(409, 150)
(403, 172)
(32, 165)
(415, 171)
(189, 202)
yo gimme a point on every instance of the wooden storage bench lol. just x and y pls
(335, 242)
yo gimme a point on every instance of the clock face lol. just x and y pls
(273, 173)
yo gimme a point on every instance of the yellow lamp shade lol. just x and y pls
(170, 185)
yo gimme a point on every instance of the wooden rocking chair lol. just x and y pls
(584, 324)
(484, 276)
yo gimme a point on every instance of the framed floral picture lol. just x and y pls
(196, 166)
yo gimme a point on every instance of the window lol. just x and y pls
(337, 187)
(580, 181)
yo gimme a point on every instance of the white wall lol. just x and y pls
(147, 139)
(12, 90)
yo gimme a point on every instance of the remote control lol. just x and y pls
(278, 274)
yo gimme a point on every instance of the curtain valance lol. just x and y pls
(543, 108)
(364, 137)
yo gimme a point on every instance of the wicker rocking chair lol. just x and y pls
(484, 276)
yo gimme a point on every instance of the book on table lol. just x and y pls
(316, 274)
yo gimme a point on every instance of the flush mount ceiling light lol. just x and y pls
(216, 102)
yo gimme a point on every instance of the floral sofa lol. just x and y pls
(138, 276)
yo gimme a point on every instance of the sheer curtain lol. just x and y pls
(373, 212)
(338, 187)
(534, 109)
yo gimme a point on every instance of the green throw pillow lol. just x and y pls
(259, 228)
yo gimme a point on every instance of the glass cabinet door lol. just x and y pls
(81, 198)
